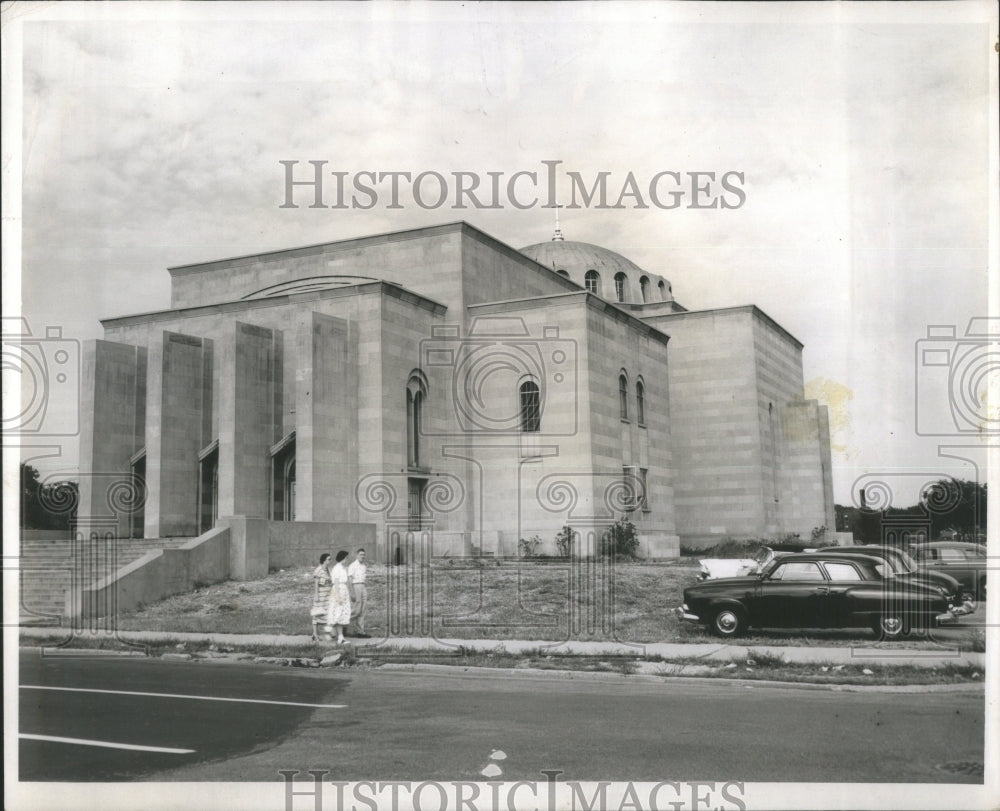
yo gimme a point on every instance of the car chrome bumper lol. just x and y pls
(683, 614)
(948, 618)
(968, 607)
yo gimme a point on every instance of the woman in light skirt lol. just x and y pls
(339, 614)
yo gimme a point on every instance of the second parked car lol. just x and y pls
(904, 567)
(966, 562)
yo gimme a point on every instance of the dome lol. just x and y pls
(604, 272)
(580, 256)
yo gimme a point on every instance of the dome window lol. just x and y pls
(663, 291)
(621, 285)
(592, 282)
(644, 288)
(563, 273)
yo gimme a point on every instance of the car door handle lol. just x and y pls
(821, 590)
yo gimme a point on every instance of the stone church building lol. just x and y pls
(455, 394)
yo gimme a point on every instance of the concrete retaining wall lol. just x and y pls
(45, 535)
(258, 545)
(157, 574)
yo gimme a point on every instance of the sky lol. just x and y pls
(151, 137)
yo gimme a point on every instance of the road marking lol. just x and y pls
(106, 744)
(179, 695)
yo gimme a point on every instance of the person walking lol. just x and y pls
(339, 614)
(358, 573)
(321, 594)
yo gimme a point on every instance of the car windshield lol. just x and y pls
(907, 561)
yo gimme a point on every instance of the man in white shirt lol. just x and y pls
(357, 574)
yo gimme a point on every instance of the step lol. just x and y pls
(49, 568)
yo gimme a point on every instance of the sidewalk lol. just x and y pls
(710, 652)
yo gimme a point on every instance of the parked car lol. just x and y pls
(817, 590)
(966, 562)
(905, 567)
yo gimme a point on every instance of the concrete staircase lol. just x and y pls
(49, 568)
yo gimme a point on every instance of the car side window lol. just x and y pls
(952, 554)
(842, 571)
(974, 554)
(797, 571)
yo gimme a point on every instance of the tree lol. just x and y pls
(46, 506)
(956, 504)
(947, 504)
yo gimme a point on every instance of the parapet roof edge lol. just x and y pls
(318, 247)
(595, 302)
(753, 309)
(391, 288)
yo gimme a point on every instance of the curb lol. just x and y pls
(578, 675)
(705, 653)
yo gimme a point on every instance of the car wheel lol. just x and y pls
(889, 626)
(728, 622)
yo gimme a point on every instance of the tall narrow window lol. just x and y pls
(640, 402)
(622, 397)
(416, 392)
(644, 288)
(531, 412)
(631, 488)
(592, 282)
(663, 291)
(620, 285)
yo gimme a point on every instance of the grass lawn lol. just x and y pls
(583, 600)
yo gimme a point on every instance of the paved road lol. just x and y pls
(403, 725)
(173, 719)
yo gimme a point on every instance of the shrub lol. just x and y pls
(564, 541)
(621, 539)
(529, 548)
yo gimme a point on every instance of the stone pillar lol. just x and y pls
(111, 431)
(805, 475)
(326, 427)
(178, 395)
(247, 417)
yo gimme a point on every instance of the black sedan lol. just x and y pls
(816, 590)
(904, 567)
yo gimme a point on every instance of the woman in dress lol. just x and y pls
(339, 615)
(321, 594)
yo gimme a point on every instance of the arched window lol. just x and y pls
(416, 392)
(621, 282)
(623, 396)
(640, 402)
(563, 273)
(592, 281)
(644, 288)
(663, 291)
(531, 411)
